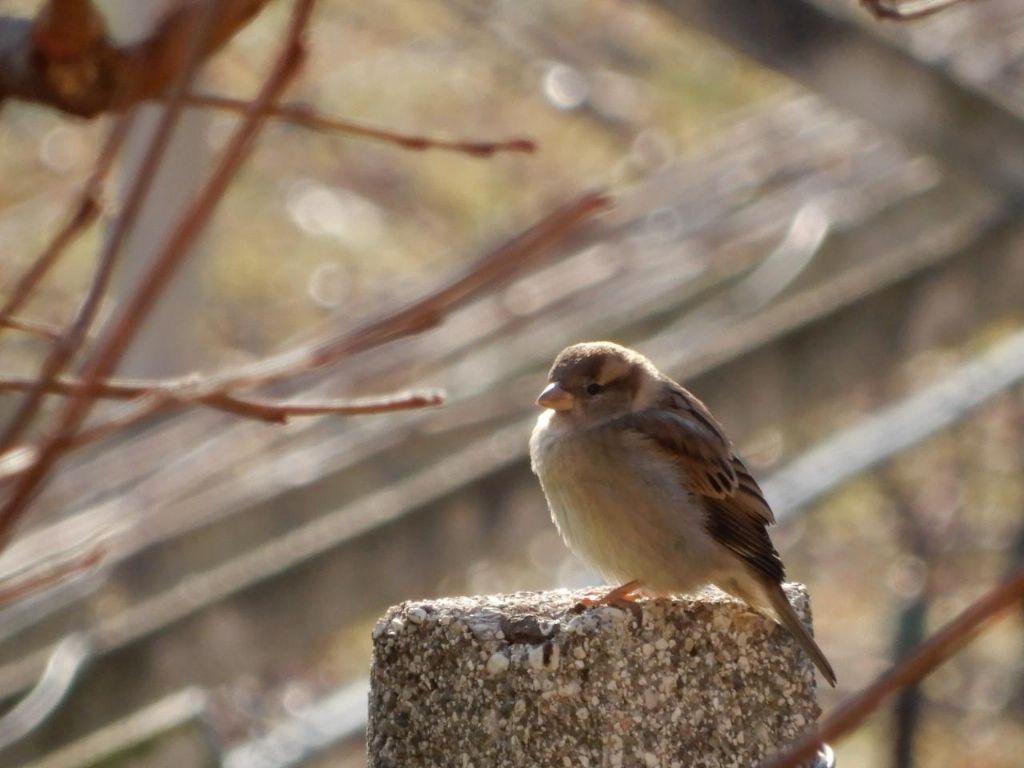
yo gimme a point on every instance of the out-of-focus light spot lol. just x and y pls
(946, 681)
(326, 211)
(329, 286)
(664, 225)
(992, 693)
(300, 468)
(652, 151)
(565, 87)
(906, 577)
(737, 184)
(617, 96)
(61, 149)
(765, 449)
(296, 698)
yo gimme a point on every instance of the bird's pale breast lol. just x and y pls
(621, 508)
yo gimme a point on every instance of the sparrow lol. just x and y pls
(645, 487)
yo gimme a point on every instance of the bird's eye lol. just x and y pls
(594, 388)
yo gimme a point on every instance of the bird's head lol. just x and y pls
(597, 380)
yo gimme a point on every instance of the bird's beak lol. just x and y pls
(555, 398)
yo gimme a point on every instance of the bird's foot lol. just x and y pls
(623, 598)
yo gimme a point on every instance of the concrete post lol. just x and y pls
(530, 679)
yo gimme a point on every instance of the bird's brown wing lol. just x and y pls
(681, 427)
(746, 536)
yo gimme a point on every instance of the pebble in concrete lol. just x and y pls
(530, 679)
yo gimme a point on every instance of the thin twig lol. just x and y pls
(510, 258)
(181, 390)
(136, 309)
(929, 655)
(85, 211)
(219, 390)
(308, 117)
(280, 412)
(908, 10)
(513, 257)
(48, 576)
(63, 351)
(32, 328)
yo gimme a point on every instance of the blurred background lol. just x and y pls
(816, 230)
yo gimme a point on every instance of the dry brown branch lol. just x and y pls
(217, 391)
(111, 389)
(907, 10)
(31, 327)
(306, 116)
(270, 411)
(161, 396)
(70, 342)
(51, 575)
(135, 310)
(65, 59)
(517, 255)
(513, 257)
(929, 655)
(84, 212)
(280, 412)
(264, 409)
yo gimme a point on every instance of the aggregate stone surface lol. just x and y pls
(533, 679)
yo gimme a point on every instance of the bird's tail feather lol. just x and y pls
(788, 618)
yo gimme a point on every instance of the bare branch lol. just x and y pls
(71, 341)
(907, 10)
(66, 60)
(929, 655)
(161, 396)
(517, 255)
(280, 412)
(510, 258)
(112, 389)
(84, 213)
(51, 574)
(136, 309)
(31, 327)
(307, 117)
(265, 409)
